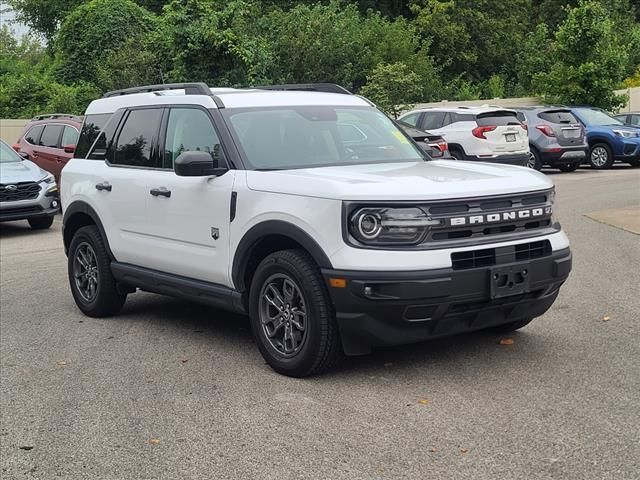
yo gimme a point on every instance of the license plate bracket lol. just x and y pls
(511, 137)
(509, 280)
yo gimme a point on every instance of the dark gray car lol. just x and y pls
(27, 192)
(629, 118)
(556, 137)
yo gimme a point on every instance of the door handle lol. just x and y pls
(160, 192)
(104, 186)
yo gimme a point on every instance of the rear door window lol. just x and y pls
(498, 119)
(635, 120)
(432, 120)
(50, 136)
(137, 139)
(33, 135)
(558, 116)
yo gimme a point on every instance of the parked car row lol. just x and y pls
(554, 136)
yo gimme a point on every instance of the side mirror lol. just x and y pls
(71, 148)
(197, 164)
(24, 155)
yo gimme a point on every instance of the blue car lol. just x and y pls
(609, 139)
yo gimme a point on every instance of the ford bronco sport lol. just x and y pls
(310, 211)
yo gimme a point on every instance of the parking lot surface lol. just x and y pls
(174, 390)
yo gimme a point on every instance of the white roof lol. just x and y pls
(462, 110)
(232, 98)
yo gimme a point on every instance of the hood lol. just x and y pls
(24, 171)
(438, 179)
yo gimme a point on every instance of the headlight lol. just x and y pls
(626, 133)
(390, 225)
(48, 179)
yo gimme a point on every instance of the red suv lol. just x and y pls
(49, 141)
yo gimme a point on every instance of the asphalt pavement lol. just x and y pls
(173, 390)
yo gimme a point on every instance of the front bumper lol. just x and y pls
(393, 308)
(628, 150)
(518, 159)
(42, 206)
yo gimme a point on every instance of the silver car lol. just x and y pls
(556, 137)
(27, 192)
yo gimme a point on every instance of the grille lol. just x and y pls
(489, 257)
(22, 191)
(484, 209)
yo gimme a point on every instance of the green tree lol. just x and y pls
(95, 32)
(587, 62)
(393, 87)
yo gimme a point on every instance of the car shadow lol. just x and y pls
(198, 321)
(21, 228)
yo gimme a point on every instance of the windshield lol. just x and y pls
(590, 116)
(318, 136)
(8, 154)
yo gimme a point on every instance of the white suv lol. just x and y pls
(309, 211)
(487, 134)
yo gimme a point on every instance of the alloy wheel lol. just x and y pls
(599, 156)
(85, 271)
(283, 314)
(531, 161)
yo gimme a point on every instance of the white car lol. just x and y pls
(309, 211)
(486, 134)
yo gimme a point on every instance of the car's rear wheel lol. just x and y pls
(512, 326)
(569, 167)
(456, 153)
(600, 156)
(89, 267)
(534, 160)
(40, 223)
(291, 314)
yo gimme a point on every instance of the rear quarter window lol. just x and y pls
(560, 117)
(89, 132)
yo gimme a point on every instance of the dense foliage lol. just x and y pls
(395, 52)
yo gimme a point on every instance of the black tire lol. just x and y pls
(600, 156)
(319, 345)
(512, 326)
(40, 223)
(107, 298)
(537, 163)
(456, 154)
(569, 167)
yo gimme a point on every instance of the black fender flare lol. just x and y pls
(82, 207)
(273, 227)
(457, 146)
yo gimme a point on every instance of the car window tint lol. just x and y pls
(50, 136)
(136, 139)
(498, 119)
(189, 129)
(635, 120)
(558, 116)
(432, 120)
(411, 119)
(33, 135)
(69, 136)
(462, 117)
(89, 132)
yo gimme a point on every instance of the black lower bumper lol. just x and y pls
(563, 157)
(393, 308)
(25, 213)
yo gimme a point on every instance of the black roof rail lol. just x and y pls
(57, 115)
(308, 87)
(193, 88)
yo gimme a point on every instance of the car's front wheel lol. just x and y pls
(600, 156)
(292, 318)
(40, 223)
(89, 267)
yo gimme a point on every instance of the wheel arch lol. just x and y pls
(77, 215)
(265, 238)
